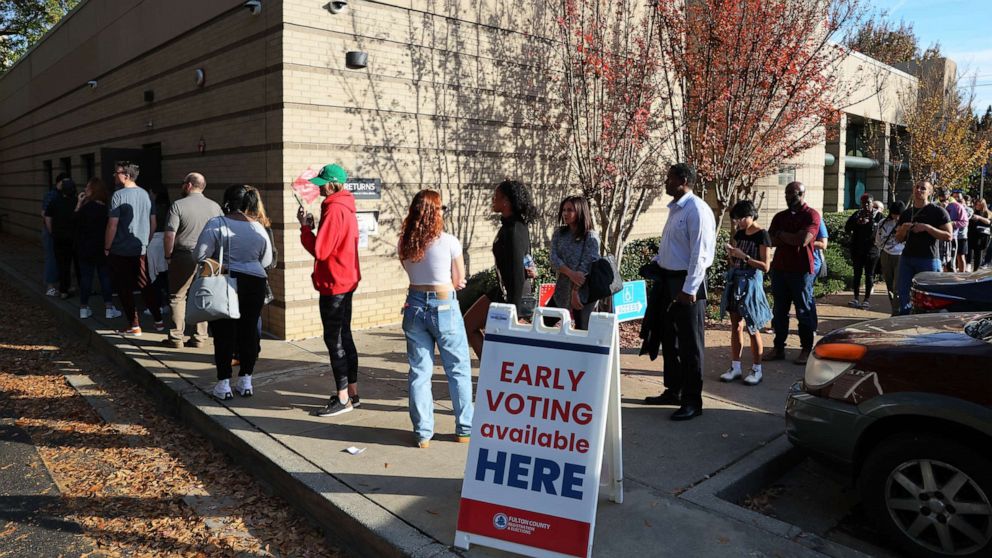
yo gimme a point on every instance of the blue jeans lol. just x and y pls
(428, 321)
(51, 266)
(908, 267)
(793, 288)
(86, 270)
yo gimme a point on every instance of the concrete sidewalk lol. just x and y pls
(395, 499)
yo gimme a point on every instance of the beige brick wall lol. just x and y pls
(445, 103)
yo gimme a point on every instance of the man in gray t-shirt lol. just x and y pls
(128, 233)
(187, 217)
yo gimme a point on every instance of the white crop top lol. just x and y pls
(435, 267)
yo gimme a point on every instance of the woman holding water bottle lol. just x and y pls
(512, 201)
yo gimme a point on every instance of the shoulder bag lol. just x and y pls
(214, 293)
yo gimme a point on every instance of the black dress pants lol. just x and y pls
(682, 339)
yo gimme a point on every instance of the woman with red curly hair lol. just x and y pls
(433, 261)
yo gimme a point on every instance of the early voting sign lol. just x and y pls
(545, 396)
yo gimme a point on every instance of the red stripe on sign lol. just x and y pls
(538, 530)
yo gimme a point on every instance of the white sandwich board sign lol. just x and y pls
(547, 408)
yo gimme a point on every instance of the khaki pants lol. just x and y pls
(182, 268)
(890, 272)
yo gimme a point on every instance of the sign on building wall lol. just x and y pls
(547, 399)
(364, 188)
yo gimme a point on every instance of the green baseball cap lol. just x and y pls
(330, 173)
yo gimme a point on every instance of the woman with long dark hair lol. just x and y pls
(574, 248)
(434, 263)
(512, 201)
(247, 252)
(91, 225)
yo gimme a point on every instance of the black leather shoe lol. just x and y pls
(687, 412)
(667, 398)
(774, 354)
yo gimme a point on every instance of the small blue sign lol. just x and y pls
(631, 302)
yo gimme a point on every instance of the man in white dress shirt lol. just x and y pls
(685, 251)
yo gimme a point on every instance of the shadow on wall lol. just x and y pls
(473, 86)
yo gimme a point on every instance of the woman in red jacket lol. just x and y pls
(335, 275)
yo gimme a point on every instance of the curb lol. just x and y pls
(343, 514)
(749, 475)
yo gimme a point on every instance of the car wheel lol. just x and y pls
(930, 495)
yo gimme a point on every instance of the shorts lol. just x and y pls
(962, 246)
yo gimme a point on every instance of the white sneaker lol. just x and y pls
(222, 390)
(754, 378)
(244, 386)
(52, 291)
(730, 375)
(112, 313)
(85, 312)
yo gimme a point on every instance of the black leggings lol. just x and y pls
(335, 314)
(240, 334)
(864, 263)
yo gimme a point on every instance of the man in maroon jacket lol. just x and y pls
(335, 275)
(792, 232)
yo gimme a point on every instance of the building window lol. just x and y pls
(89, 165)
(67, 165)
(785, 176)
(49, 178)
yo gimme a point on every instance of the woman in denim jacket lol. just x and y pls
(434, 263)
(744, 295)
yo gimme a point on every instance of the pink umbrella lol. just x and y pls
(304, 188)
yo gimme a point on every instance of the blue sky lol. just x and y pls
(964, 30)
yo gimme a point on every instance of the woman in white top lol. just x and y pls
(433, 261)
(247, 252)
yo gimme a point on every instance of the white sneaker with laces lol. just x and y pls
(222, 390)
(85, 312)
(730, 375)
(112, 313)
(244, 386)
(754, 378)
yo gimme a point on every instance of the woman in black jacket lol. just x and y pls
(864, 252)
(512, 201)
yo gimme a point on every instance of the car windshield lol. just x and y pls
(980, 328)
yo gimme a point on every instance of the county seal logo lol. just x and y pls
(500, 521)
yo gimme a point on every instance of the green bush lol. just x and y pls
(840, 271)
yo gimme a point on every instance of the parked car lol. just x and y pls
(952, 292)
(905, 404)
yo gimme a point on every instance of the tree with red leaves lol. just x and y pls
(605, 77)
(756, 82)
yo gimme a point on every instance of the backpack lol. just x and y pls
(603, 279)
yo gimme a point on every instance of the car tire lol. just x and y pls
(946, 512)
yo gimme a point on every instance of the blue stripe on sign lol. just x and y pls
(547, 344)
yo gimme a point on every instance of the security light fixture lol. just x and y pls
(356, 59)
(336, 6)
(91, 83)
(199, 76)
(254, 7)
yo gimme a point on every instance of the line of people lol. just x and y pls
(238, 233)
